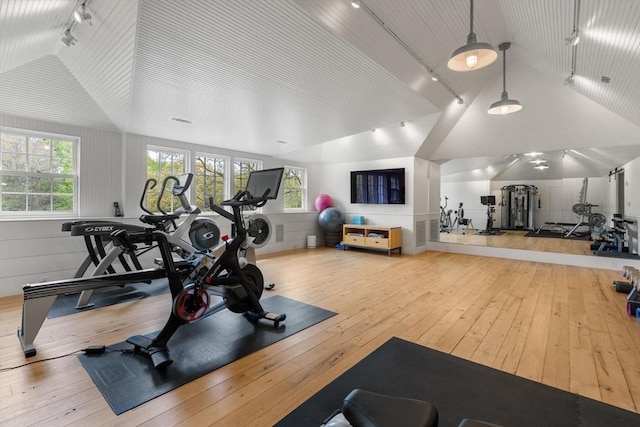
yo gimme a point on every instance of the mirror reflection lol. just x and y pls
(569, 201)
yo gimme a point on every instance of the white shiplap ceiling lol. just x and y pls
(319, 74)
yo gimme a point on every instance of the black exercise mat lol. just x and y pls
(458, 389)
(554, 235)
(103, 297)
(126, 380)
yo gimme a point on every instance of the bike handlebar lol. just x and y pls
(245, 198)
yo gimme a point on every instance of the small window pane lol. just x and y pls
(63, 185)
(16, 144)
(63, 203)
(39, 164)
(14, 184)
(14, 202)
(39, 202)
(40, 185)
(39, 146)
(62, 157)
(14, 162)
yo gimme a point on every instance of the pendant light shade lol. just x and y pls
(474, 55)
(505, 105)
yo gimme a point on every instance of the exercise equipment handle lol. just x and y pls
(149, 185)
(161, 195)
(245, 198)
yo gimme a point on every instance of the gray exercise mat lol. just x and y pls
(458, 389)
(127, 380)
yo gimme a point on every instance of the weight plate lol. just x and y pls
(597, 219)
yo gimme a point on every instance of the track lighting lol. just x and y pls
(81, 15)
(410, 51)
(573, 39)
(67, 38)
(460, 100)
(473, 55)
(505, 105)
(569, 80)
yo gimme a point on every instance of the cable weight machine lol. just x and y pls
(518, 207)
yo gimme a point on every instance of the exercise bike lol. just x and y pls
(203, 233)
(229, 276)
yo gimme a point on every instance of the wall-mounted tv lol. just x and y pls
(382, 186)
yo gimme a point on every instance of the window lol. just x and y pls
(241, 170)
(295, 187)
(161, 163)
(210, 179)
(38, 173)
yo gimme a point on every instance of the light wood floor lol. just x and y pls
(560, 325)
(515, 239)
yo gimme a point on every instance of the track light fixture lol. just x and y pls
(505, 105)
(473, 55)
(459, 100)
(81, 15)
(569, 80)
(574, 37)
(67, 39)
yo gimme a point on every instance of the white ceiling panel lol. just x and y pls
(315, 73)
(42, 89)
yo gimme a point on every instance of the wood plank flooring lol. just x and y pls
(560, 325)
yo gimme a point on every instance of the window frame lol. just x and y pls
(226, 181)
(259, 166)
(303, 190)
(74, 175)
(173, 204)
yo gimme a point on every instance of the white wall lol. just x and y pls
(335, 181)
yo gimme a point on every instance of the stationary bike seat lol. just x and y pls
(367, 409)
(158, 219)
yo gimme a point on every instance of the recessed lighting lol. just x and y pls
(605, 79)
(179, 120)
(538, 161)
(356, 4)
(533, 154)
(542, 167)
(281, 142)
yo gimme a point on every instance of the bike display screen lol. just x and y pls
(261, 181)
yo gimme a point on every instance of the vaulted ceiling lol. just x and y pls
(309, 80)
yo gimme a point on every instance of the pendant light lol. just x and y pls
(473, 55)
(505, 105)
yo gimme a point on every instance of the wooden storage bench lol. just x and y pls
(372, 237)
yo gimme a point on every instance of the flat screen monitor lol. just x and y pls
(261, 181)
(488, 200)
(383, 186)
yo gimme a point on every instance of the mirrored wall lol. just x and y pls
(551, 202)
